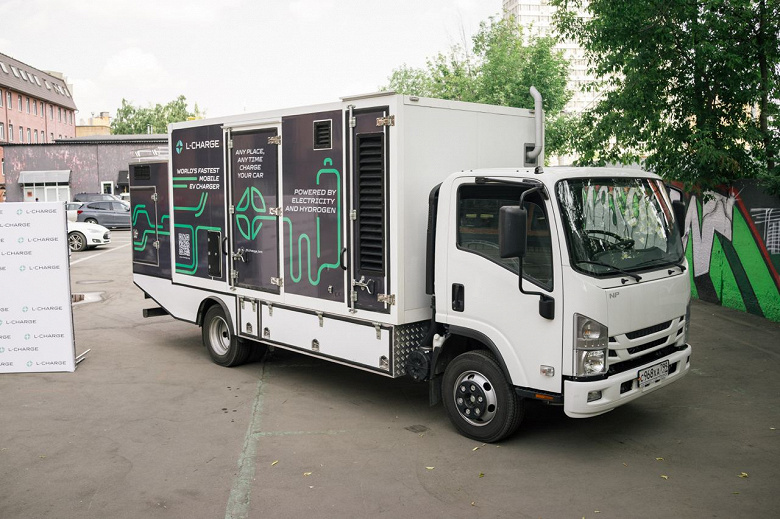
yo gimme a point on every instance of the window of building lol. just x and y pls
(35, 136)
(51, 112)
(29, 134)
(1, 97)
(42, 109)
(51, 139)
(20, 101)
(8, 98)
(27, 99)
(10, 133)
(2, 131)
(24, 74)
(48, 86)
(15, 71)
(35, 107)
(2, 65)
(59, 114)
(21, 134)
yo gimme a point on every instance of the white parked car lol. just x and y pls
(83, 236)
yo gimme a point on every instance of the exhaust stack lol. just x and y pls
(539, 118)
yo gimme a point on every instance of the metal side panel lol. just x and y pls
(368, 345)
(248, 317)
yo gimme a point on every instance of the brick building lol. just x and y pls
(35, 106)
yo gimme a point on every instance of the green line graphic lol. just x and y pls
(304, 237)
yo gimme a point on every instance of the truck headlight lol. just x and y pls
(590, 347)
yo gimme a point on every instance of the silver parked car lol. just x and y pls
(108, 214)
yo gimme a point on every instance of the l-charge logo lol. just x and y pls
(196, 145)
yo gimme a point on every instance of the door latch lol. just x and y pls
(239, 255)
(364, 284)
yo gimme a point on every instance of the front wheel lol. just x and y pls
(224, 347)
(479, 400)
(77, 241)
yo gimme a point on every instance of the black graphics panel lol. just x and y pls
(150, 219)
(313, 213)
(198, 199)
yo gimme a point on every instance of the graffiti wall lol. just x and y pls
(733, 247)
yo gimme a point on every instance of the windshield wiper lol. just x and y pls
(616, 269)
(661, 263)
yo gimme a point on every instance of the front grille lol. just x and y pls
(647, 331)
(646, 346)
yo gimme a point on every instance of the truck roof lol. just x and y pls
(553, 174)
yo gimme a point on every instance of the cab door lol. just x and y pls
(254, 184)
(480, 293)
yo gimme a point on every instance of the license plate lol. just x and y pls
(655, 373)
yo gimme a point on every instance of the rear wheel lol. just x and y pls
(224, 347)
(77, 241)
(478, 398)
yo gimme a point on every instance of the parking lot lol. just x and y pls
(149, 427)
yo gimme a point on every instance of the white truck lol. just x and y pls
(418, 237)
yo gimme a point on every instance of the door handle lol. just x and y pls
(239, 255)
(458, 297)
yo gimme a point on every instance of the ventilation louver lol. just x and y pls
(323, 135)
(371, 195)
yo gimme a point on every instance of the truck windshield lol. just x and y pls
(618, 225)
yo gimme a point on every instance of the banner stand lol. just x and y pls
(36, 316)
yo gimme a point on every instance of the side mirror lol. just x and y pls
(512, 221)
(678, 209)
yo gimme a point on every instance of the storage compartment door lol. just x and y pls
(369, 225)
(143, 207)
(254, 177)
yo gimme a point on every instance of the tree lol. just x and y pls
(500, 69)
(689, 86)
(132, 120)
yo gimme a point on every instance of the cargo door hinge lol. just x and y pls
(388, 299)
(386, 121)
(276, 139)
(156, 244)
(232, 210)
(353, 214)
(155, 197)
(230, 144)
(277, 281)
(275, 211)
(353, 296)
(378, 328)
(234, 274)
(352, 122)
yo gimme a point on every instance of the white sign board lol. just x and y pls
(36, 317)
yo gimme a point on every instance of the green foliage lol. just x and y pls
(132, 120)
(500, 69)
(690, 86)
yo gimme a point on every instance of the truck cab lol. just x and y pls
(567, 285)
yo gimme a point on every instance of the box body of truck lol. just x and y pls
(366, 232)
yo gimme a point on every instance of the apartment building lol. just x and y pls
(36, 107)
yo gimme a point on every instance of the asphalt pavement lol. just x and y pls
(149, 427)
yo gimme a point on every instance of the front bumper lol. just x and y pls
(614, 389)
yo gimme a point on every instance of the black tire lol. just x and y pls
(77, 241)
(479, 400)
(223, 346)
(90, 220)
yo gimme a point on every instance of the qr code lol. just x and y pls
(185, 248)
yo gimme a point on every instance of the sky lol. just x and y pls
(231, 56)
